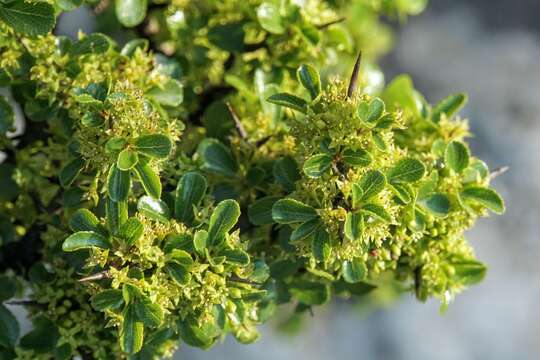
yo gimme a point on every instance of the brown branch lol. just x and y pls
(97, 276)
(330, 23)
(498, 171)
(237, 123)
(353, 83)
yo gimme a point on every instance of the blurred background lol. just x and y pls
(489, 49)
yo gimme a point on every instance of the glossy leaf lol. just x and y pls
(448, 106)
(437, 204)
(107, 299)
(9, 328)
(236, 256)
(131, 332)
(95, 43)
(407, 170)
(83, 220)
(376, 212)
(260, 212)
(85, 240)
(217, 157)
(354, 226)
(116, 213)
(269, 18)
(149, 179)
(354, 270)
(305, 230)
(375, 110)
(189, 193)
(287, 211)
(223, 219)
(456, 156)
(154, 209)
(285, 171)
(290, 101)
(31, 18)
(169, 94)
(199, 241)
(359, 157)
(309, 293)
(310, 79)
(156, 145)
(484, 196)
(178, 273)
(320, 245)
(130, 13)
(371, 183)
(131, 231)
(469, 272)
(317, 165)
(148, 313)
(118, 184)
(127, 159)
(70, 172)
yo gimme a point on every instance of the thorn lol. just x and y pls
(498, 171)
(353, 83)
(237, 124)
(330, 23)
(262, 141)
(97, 276)
(23, 302)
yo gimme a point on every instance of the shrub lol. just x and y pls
(222, 162)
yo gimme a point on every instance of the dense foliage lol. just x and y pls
(231, 157)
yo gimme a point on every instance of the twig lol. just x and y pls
(243, 281)
(97, 276)
(498, 171)
(23, 302)
(353, 83)
(237, 123)
(330, 23)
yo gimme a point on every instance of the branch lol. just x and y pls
(237, 123)
(97, 276)
(330, 23)
(498, 171)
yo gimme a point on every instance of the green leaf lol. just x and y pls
(83, 220)
(42, 338)
(170, 94)
(269, 18)
(131, 231)
(149, 179)
(305, 230)
(156, 145)
(70, 172)
(287, 211)
(285, 171)
(371, 183)
(317, 165)
(375, 110)
(130, 13)
(484, 196)
(36, 18)
(376, 212)
(131, 46)
(217, 157)
(456, 156)
(178, 273)
(449, 106)
(107, 299)
(310, 79)
(354, 226)
(6, 116)
(260, 212)
(437, 204)
(131, 332)
(354, 270)
(406, 170)
(189, 193)
(154, 209)
(182, 257)
(149, 313)
(117, 214)
(118, 184)
(9, 328)
(290, 101)
(229, 37)
(85, 240)
(236, 256)
(130, 293)
(310, 292)
(379, 142)
(469, 272)
(199, 241)
(127, 159)
(95, 43)
(8, 288)
(320, 245)
(403, 192)
(359, 157)
(223, 219)
(91, 119)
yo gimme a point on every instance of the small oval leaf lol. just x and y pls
(85, 240)
(287, 211)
